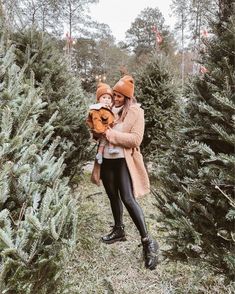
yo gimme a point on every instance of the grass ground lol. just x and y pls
(118, 268)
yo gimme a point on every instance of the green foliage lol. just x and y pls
(197, 198)
(62, 92)
(38, 216)
(96, 58)
(141, 37)
(157, 93)
(88, 62)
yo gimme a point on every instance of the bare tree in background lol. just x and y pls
(73, 14)
(181, 11)
(201, 12)
(192, 17)
(53, 16)
(43, 14)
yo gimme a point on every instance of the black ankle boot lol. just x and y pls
(150, 251)
(117, 234)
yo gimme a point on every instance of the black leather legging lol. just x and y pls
(118, 186)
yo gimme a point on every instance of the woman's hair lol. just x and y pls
(127, 103)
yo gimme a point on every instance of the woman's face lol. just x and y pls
(119, 99)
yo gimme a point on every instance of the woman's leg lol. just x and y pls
(126, 193)
(150, 246)
(109, 179)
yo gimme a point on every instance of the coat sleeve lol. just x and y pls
(134, 121)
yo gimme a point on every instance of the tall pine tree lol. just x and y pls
(37, 213)
(197, 196)
(62, 91)
(157, 93)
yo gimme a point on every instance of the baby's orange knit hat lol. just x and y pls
(102, 89)
(125, 86)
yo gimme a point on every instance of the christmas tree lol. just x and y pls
(196, 198)
(38, 214)
(40, 53)
(157, 93)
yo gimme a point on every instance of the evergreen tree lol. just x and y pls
(157, 93)
(197, 196)
(37, 213)
(62, 92)
(141, 36)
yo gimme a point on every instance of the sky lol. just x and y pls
(119, 14)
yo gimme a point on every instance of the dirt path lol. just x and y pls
(118, 268)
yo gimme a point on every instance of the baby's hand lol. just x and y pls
(96, 136)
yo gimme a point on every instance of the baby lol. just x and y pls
(100, 117)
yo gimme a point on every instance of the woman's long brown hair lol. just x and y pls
(127, 103)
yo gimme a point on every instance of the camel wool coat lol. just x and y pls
(130, 139)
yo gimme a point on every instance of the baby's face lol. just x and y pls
(106, 99)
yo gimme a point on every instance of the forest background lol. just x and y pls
(51, 216)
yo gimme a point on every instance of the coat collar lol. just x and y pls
(98, 106)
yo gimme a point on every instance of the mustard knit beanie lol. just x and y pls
(102, 89)
(125, 86)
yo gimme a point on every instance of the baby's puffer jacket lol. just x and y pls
(99, 118)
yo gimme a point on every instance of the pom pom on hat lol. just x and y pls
(102, 89)
(125, 86)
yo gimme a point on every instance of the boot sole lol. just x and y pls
(114, 240)
(154, 265)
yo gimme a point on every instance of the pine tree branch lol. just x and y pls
(93, 194)
(22, 211)
(230, 200)
(13, 221)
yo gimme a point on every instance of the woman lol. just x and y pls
(123, 174)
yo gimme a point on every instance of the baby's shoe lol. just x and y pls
(99, 158)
